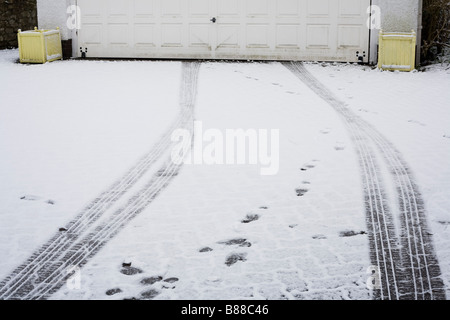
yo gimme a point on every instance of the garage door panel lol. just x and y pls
(350, 7)
(318, 8)
(199, 35)
(171, 8)
(349, 36)
(118, 7)
(144, 35)
(318, 36)
(288, 8)
(228, 36)
(172, 35)
(118, 34)
(144, 8)
(288, 36)
(228, 8)
(257, 36)
(93, 34)
(257, 8)
(198, 8)
(247, 29)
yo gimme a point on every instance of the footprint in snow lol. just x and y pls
(309, 165)
(149, 294)
(130, 271)
(205, 249)
(417, 122)
(351, 233)
(319, 237)
(339, 146)
(234, 258)
(151, 280)
(447, 136)
(250, 218)
(301, 192)
(112, 292)
(170, 283)
(240, 242)
(171, 280)
(30, 197)
(325, 131)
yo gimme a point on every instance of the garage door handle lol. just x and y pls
(213, 20)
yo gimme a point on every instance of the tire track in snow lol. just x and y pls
(411, 271)
(45, 271)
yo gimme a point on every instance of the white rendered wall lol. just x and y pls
(52, 14)
(397, 16)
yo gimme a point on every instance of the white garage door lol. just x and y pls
(333, 30)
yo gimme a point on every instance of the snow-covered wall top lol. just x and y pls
(52, 14)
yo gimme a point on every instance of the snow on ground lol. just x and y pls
(294, 249)
(68, 130)
(79, 125)
(413, 111)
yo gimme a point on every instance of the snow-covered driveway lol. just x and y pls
(69, 130)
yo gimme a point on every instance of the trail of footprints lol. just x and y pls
(150, 282)
(155, 284)
(235, 257)
(304, 188)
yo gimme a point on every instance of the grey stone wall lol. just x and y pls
(14, 15)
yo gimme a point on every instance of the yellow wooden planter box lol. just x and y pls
(39, 46)
(397, 51)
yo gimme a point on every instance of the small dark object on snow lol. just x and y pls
(29, 197)
(235, 257)
(126, 264)
(171, 280)
(50, 202)
(114, 291)
(151, 280)
(350, 233)
(62, 229)
(205, 249)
